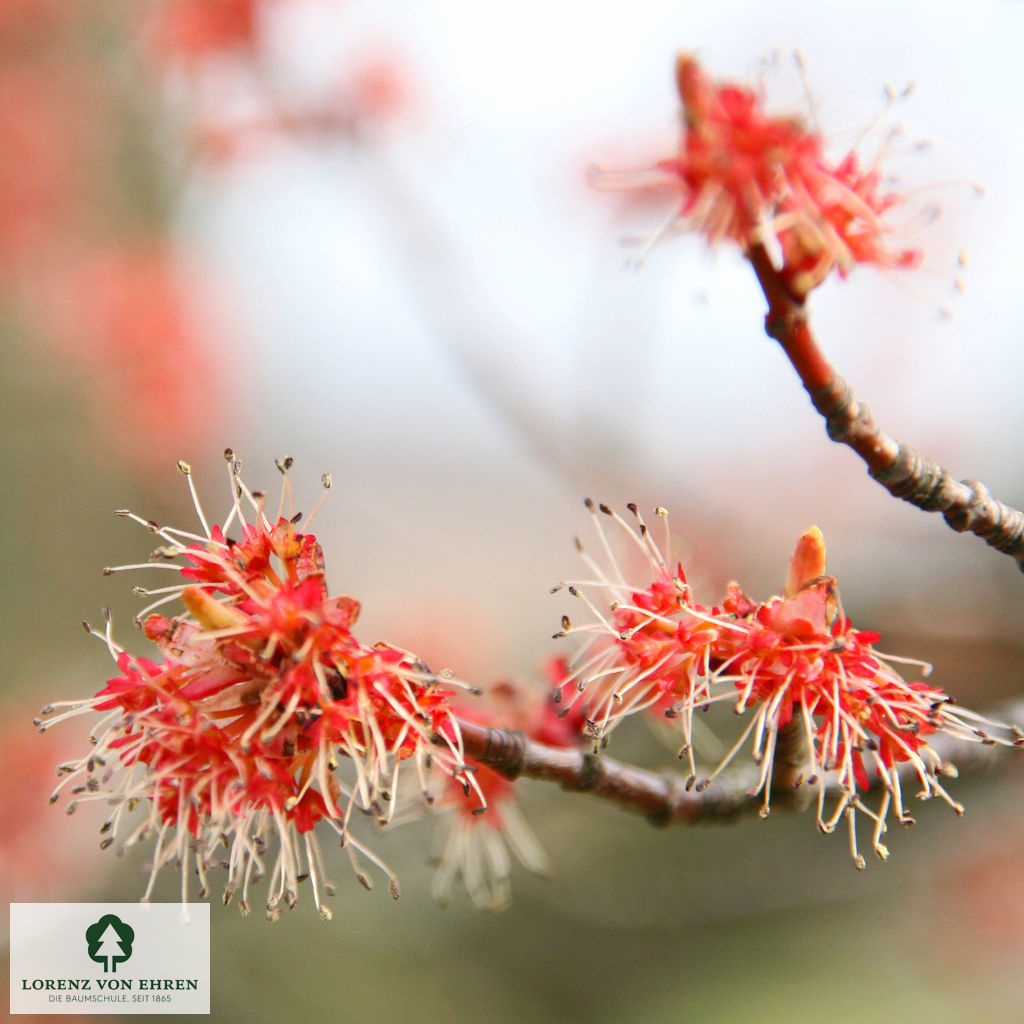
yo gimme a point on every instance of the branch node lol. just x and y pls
(966, 505)
(780, 324)
(918, 480)
(591, 773)
(661, 817)
(505, 751)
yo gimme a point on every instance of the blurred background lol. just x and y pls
(361, 234)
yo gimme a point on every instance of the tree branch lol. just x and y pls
(904, 472)
(663, 798)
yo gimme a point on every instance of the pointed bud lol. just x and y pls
(808, 561)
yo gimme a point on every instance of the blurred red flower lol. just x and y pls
(130, 319)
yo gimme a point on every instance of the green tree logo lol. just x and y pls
(110, 942)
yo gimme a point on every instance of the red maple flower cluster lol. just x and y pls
(263, 694)
(794, 662)
(755, 178)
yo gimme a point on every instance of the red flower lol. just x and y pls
(125, 318)
(37, 860)
(801, 661)
(262, 695)
(195, 29)
(654, 648)
(794, 661)
(756, 178)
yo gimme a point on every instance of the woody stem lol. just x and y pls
(663, 798)
(904, 472)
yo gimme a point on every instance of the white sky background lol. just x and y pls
(373, 286)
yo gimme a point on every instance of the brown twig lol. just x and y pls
(663, 798)
(966, 505)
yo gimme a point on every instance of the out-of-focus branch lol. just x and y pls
(904, 472)
(663, 798)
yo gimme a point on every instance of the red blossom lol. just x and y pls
(750, 177)
(46, 144)
(126, 318)
(38, 859)
(792, 662)
(262, 695)
(653, 648)
(197, 29)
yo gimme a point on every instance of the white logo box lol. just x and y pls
(110, 958)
